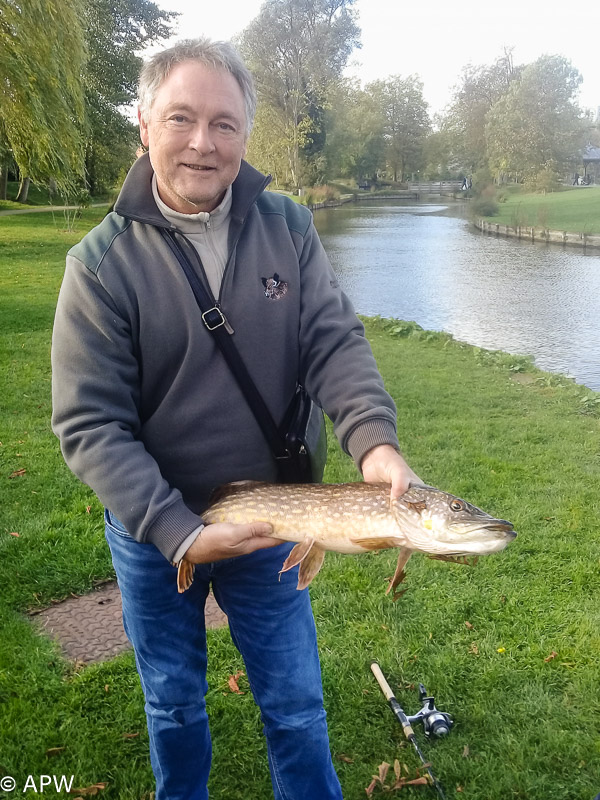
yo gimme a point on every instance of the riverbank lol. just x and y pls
(538, 234)
(575, 210)
(508, 647)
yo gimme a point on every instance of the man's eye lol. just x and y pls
(225, 126)
(178, 118)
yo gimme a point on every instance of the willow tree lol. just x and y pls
(41, 99)
(296, 50)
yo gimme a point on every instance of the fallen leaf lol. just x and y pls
(474, 649)
(371, 787)
(466, 751)
(54, 751)
(468, 624)
(14, 533)
(397, 771)
(130, 735)
(459, 788)
(233, 685)
(552, 655)
(90, 790)
(383, 771)
(88, 509)
(422, 781)
(346, 759)
(18, 473)
(106, 687)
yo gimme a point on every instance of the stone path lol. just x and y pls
(89, 628)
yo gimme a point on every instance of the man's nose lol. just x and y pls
(201, 139)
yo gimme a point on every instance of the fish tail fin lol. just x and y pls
(185, 575)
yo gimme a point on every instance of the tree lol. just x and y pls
(465, 121)
(355, 144)
(41, 100)
(535, 128)
(297, 50)
(407, 122)
(115, 33)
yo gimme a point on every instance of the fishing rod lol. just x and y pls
(435, 722)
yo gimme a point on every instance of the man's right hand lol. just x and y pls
(225, 540)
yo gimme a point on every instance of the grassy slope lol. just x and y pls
(576, 210)
(485, 426)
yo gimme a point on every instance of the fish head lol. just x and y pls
(440, 523)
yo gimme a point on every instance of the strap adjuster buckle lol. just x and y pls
(213, 318)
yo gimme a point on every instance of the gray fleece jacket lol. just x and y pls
(146, 410)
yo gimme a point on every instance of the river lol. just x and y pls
(426, 263)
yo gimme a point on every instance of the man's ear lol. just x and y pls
(143, 129)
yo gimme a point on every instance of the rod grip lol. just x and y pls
(380, 678)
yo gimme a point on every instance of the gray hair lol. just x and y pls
(215, 55)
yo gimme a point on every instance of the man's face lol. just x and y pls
(196, 136)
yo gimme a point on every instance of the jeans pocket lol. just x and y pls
(115, 524)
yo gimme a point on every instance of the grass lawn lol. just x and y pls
(576, 209)
(511, 648)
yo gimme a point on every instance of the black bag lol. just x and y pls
(303, 429)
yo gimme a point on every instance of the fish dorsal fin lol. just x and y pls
(185, 575)
(229, 489)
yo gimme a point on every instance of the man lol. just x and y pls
(150, 416)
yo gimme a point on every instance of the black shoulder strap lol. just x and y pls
(215, 322)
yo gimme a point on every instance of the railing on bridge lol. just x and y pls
(436, 187)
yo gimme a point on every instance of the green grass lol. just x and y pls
(575, 209)
(517, 442)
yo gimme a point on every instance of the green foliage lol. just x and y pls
(42, 55)
(403, 107)
(296, 50)
(535, 127)
(116, 31)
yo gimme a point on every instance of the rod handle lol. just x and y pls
(380, 678)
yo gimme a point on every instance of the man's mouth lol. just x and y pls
(199, 167)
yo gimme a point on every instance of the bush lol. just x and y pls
(486, 203)
(320, 194)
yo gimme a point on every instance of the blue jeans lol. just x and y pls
(272, 626)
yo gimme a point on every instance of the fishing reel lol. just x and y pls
(435, 723)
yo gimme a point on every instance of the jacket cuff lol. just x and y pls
(369, 435)
(172, 528)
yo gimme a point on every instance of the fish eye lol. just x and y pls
(457, 505)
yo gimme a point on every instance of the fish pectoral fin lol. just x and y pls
(185, 575)
(310, 565)
(399, 574)
(377, 542)
(297, 554)
(467, 561)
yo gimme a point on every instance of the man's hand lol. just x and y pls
(224, 540)
(383, 464)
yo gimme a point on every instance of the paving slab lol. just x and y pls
(89, 628)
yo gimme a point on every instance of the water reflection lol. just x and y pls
(426, 263)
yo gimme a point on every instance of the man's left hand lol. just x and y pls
(383, 464)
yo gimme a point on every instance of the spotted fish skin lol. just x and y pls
(356, 518)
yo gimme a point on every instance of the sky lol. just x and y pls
(435, 39)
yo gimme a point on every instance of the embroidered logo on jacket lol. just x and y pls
(274, 288)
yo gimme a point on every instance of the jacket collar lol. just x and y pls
(136, 202)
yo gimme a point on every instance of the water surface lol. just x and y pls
(428, 264)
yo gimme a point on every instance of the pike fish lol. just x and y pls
(357, 518)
